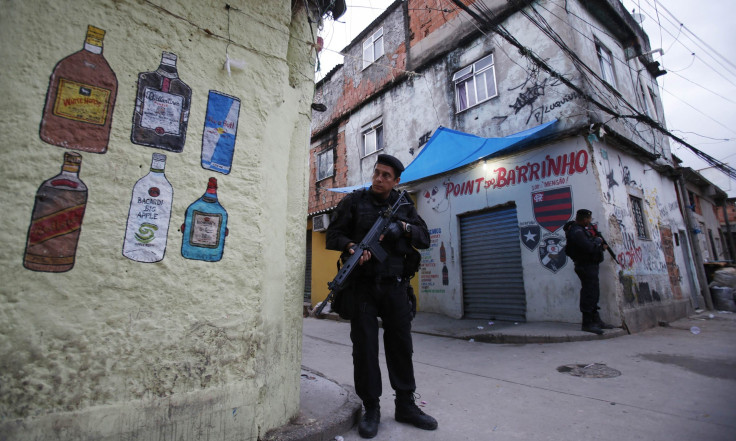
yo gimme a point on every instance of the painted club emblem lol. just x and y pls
(530, 236)
(552, 208)
(552, 253)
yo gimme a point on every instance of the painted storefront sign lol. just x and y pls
(205, 227)
(162, 107)
(434, 276)
(80, 99)
(552, 253)
(220, 130)
(552, 171)
(147, 228)
(56, 222)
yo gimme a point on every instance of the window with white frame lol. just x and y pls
(475, 84)
(325, 164)
(373, 48)
(605, 58)
(638, 211)
(372, 137)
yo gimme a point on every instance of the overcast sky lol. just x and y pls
(698, 92)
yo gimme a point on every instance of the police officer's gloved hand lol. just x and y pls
(393, 231)
(598, 241)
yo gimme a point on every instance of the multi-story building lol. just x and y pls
(443, 86)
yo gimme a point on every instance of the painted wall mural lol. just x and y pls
(147, 229)
(434, 275)
(205, 227)
(162, 107)
(80, 99)
(220, 130)
(56, 222)
(532, 89)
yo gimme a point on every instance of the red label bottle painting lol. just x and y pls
(162, 107)
(56, 222)
(80, 99)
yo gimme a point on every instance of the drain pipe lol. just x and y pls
(690, 223)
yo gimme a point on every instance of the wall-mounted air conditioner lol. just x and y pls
(321, 222)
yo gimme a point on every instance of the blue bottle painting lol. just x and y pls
(205, 227)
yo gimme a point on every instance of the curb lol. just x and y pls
(303, 428)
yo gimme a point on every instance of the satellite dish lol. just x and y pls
(639, 18)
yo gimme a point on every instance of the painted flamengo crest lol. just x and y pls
(552, 208)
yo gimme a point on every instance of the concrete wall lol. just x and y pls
(178, 349)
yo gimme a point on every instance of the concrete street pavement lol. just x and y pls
(673, 384)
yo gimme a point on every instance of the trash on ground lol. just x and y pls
(490, 323)
(339, 438)
(480, 327)
(472, 340)
(695, 330)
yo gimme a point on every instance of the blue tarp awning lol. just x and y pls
(449, 149)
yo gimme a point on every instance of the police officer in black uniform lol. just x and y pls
(380, 289)
(586, 250)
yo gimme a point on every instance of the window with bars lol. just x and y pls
(638, 211)
(373, 48)
(475, 84)
(325, 164)
(605, 58)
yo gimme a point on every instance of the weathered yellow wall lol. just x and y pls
(117, 349)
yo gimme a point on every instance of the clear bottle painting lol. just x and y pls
(147, 228)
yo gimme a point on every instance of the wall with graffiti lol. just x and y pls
(142, 228)
(547, 186)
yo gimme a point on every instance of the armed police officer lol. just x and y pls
(380, 289)
(586, 250)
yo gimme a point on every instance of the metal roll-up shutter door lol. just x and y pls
(493, 281)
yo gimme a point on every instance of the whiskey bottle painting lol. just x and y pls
(205, 227)
(80, 99)
(148, 217)
(162, 107)
(56, 221)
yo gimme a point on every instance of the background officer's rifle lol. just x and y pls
(594, 230)
(371, 243)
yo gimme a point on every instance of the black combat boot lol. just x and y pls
(589, 324)
(368, 427)
(601, 323)
(408, 412)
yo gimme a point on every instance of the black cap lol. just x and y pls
(391, 162)
(583, 213)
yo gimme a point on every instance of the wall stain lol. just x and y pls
(713, 368)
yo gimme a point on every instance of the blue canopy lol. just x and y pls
(449, 149)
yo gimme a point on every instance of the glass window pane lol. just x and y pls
(483, 63)
(370, 143)
(378, 33)
(379, 138)
(481, 87)
(379, 49)
(462, 74)
(462, 99)
(491, 82)
(367, 55)
(471, 92)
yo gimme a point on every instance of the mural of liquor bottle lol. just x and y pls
(443, 259)
(56, 221)
(162, 107)
(220, 130)
(80, 99)
(205, 227)
(149, 214)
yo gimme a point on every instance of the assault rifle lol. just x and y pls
(371, 243)
(596, 233)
